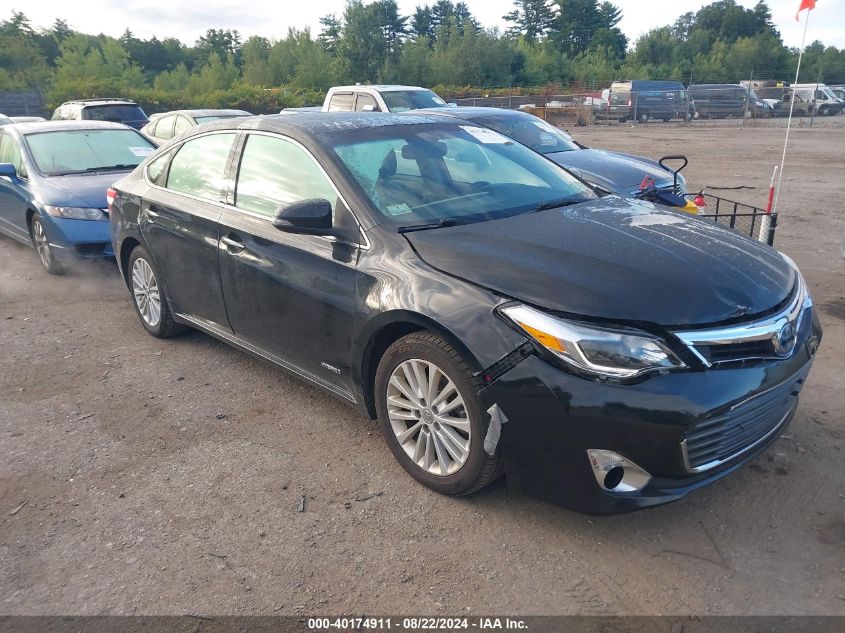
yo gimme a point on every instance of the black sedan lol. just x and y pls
(485, 306)
(613, 172)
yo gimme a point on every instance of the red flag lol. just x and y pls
(805, 4)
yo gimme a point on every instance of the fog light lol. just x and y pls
(616, 473)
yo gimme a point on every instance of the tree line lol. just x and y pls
(441, 45)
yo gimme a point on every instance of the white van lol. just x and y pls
(825, 102)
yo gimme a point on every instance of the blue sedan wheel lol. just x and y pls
(42, 245)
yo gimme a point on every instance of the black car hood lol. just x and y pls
(615, 172)
(615, 259)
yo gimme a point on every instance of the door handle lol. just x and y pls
(233, 245)
(152, 213)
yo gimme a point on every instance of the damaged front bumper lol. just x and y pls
(683, 430)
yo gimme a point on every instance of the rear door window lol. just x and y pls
(182, 125)
(341, 102)
(164, 127)
(199, 167)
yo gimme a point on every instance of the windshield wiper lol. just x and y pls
(431, 225)
(110, 167)
(554, 204)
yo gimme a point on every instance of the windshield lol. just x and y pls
(828, 92)
(401, 100)
(531, 131)
(216, 117)
(416, 174)
(116, 113)
(78, 151)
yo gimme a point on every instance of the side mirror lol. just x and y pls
(8, 170)
(306, 217)
(370, 108)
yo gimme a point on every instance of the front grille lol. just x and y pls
(721, 438)
(91, 250)
(727, 352)
(774, 337)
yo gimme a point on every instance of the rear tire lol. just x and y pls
(148, 295)
(40, 241)
(431, 417)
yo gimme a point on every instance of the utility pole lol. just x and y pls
(748, 92)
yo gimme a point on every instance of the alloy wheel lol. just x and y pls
(428, 417)
(42, 244)
(146, 293)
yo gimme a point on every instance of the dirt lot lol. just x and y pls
(165, 476)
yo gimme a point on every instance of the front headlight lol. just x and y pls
(596, 350)
(76, 213)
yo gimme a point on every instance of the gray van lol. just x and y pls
(641, 100)
(719, 101)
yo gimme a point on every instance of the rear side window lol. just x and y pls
(274, 173)
(117, 113)
(156, 169)
(341, 102)
(199, 168)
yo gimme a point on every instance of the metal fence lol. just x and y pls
(715, 106)
(26, 103)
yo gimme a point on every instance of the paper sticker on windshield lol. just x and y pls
(485, 135)
(399, 209)
(142, 151)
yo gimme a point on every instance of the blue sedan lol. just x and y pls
(53, 182)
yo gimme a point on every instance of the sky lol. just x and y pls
(188, 19)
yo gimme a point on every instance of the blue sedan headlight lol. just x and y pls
(76, 213)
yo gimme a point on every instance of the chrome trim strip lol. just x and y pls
(764, 329)
(233, 339)
(718, 462)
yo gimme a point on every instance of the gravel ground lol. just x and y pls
(165, 477)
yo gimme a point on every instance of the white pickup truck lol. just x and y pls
(380, 99)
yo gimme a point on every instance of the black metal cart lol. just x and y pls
(744, 218)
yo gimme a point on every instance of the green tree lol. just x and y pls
(531, 19)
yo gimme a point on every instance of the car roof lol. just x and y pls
(694, 86)
(35, 127)
(472, 112)
(103, 101)
(381, 87)
(206, 112)
(305, 125)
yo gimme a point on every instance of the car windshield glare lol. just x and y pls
(402, 100)
(416, 174)
(531, 131)
(78, 151)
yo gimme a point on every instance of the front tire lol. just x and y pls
(46, 253)
(148, 295)
(431, 417)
